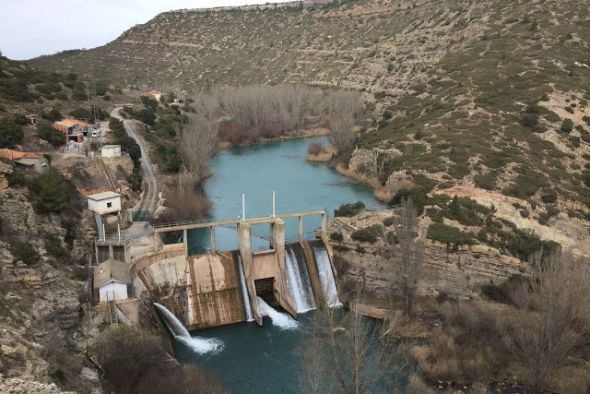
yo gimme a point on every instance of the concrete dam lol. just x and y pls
(225, 287)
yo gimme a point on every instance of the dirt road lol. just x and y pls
(148, 202)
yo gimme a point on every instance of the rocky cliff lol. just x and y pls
(41, 299)
(458, 273)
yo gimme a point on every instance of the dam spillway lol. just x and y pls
(220, 288)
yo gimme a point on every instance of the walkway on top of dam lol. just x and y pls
(204, 223)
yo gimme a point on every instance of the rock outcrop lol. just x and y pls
(460, 273)
(40, 307)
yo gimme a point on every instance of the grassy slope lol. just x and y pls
(469, 116)
(459, 73)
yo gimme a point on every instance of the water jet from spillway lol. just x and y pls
(244, 289)
(281, 320)
(326, 277)
(197, 344)
(299, 282)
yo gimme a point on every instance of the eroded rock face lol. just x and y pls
(460, 273)
(20, 386)
(40, 309)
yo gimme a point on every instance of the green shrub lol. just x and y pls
(21, 120)
(349, 210)
(418, 196)
(586, 120)
(586, 177)
(23, 251)
(368, 234)
(46, 132)
(526, 183)
(387, 115)
(575, 141)
(336, 236)
(135, 180)
(467, 211)
(53, 115)
(529, 120)
(551, 116)
(82, 113)
(389, 221)
(17, 179)
(53, 247)
(567, 125)
(51, 192)
(127, 143)
(451, 236)
(11, 133)
(548, 196)
(485, 181)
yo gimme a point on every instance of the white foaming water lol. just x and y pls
(197, 344)
(244, 288)
(281, 320)
(299, 282)
(327, 277)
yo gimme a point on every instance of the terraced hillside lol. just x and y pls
(487, 97)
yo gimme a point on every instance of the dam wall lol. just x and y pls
(219, 288)
(213, 292)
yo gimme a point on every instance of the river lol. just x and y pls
(264, 359)
(259, 170)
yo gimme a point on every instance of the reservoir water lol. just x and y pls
(259, 170)
(265, 359)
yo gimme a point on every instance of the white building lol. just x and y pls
(111, 279)
(110, 151)
(105, 202)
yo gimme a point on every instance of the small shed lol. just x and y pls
(110, 151)
(104, 203)
(111, 280)
(32, 119)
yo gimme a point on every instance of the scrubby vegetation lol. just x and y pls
(350, 210)
(46, 132)
(11, 133)
(135, 361)
(368, 234)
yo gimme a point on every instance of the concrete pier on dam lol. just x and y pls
(224, 287)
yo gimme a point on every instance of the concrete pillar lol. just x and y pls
(277, 237)
(300, 229)
(213, 242)
(185, 241)
(111, 254)
(245, 249)
(324, 227)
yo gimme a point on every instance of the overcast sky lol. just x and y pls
(30, 28)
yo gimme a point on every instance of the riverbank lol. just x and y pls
(308, 133)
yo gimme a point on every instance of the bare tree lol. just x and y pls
(555, 308)
(411, 254)
(343, 353)
(198, 138)
(378, 162)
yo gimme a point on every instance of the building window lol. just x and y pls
(109, 204)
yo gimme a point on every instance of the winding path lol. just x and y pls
(148, 202)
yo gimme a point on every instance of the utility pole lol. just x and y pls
(243, 207)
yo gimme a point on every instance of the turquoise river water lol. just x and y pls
(264, 359)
